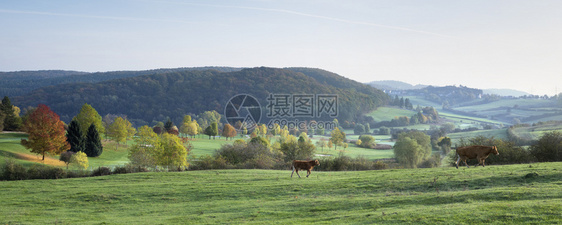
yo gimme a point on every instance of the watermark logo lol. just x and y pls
(243, 111)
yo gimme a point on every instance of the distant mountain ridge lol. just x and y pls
(399, 85)
(394, 85)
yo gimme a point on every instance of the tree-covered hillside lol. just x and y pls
(22, 82)
(175, 94)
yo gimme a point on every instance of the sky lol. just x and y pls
(511, 44)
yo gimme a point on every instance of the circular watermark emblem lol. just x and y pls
(243, 110)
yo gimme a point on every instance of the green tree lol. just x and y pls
(93, 146)
(46, 132)
(337, 137)
(66, 157)
(367, 141)
(143, 152)
(408, 152)
(193, 129)
(120, 130)
(172, 153)
(168, 126)
(12, 121)
(75, 138)
(301, 149)
(549, 147)
(88, 116)
(212, 130)
(359, 129)
(412, 148)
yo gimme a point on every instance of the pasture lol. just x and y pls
(509, 194)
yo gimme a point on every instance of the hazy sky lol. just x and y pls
(480, 44)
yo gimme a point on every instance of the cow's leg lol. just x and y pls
(458, 160)
(293, 171)
(464, 160)
(482, 161)
(307, 173)
(297, 170)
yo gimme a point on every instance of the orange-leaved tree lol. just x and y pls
(46, 132)
(228, 131)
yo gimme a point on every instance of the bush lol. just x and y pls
(101, 171)
(432, 162)
(45, 172)
(13, 171)
(346, 163)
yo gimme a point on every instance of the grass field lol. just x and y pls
(510, 194)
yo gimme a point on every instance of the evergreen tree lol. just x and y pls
(11, 120)
(93, 146)
(168, 126)
(74, 137)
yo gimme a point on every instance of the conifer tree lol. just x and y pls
(93, 146)
(75, 138)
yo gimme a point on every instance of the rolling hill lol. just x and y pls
(146, 98)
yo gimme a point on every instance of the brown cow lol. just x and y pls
(475, 152)
(304, 165)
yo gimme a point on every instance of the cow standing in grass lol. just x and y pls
(304, 165)
(475, 152)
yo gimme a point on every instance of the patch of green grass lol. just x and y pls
(493, 194)
(389, 113)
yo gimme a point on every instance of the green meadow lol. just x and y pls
(508, 194)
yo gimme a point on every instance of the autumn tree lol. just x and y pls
(88, 116)
(93, 146)
(75, 138)
(46, 132)
(228, 131)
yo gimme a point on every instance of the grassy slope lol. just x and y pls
(493, 194)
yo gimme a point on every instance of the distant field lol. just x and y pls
(496, 133)
(509, 194)
(389, 113)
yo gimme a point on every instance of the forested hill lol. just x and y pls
(174, 94)
(22, 82)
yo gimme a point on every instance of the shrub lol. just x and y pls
(431, 162)
(13, 171)
(346, 163)
(101, 171)
(45, 172)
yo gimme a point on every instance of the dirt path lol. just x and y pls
(37, 158)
